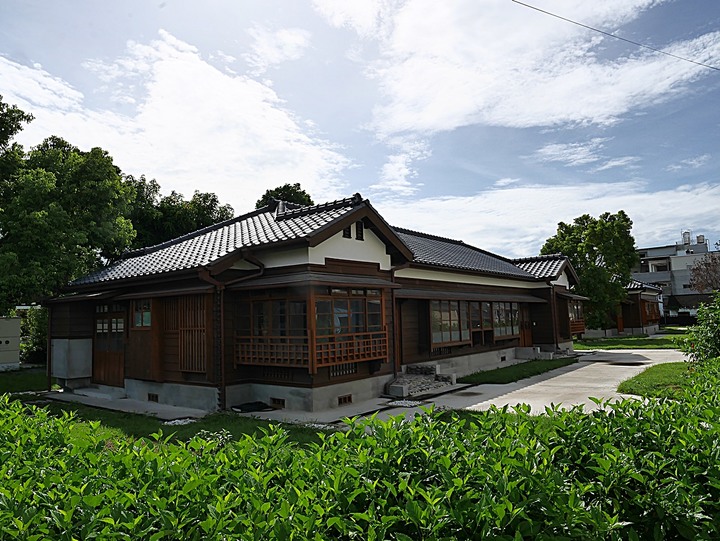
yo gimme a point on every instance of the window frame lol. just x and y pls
(143, 308)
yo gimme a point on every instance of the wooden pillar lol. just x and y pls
(311, 332)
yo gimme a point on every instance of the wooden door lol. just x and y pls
(109, 347)
(525, 326)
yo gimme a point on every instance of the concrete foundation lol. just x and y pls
(307, 399)
(173, 394)
(464, 365)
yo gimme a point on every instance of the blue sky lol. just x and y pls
(483, 121)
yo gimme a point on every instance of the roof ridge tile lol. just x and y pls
(330, 205)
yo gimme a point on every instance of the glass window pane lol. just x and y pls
(357, 315)
(487, 315)
(340, 316)
(454, 321)
(374, 315)
(279, 319)
(436, 322)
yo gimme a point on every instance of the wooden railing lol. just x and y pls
(299, 351)
(352, 347)
(292, 351)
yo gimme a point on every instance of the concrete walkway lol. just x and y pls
(597, 375)
(128, 405)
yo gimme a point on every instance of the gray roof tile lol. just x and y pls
(272, 224)
(455, 254)
(543, 266)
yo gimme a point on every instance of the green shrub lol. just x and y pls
(702, 341)
(33, 330)
(631, 470)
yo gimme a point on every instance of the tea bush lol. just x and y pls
(632, 470)
(702, 341)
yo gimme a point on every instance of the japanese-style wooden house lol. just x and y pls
(300, 307)
(641, 311)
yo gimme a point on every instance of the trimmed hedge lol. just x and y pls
(630, 471)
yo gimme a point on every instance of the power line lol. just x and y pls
(617, 37)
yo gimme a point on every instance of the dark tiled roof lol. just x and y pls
(543, 266)
(274, 223)
(455, 254)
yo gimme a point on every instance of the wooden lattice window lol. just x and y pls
(187, 316)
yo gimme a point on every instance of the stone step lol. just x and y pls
(419, 384)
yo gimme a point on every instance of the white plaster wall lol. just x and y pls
(449, 276)
(562, 281)
(371, 250)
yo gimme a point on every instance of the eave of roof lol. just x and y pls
(431, 251)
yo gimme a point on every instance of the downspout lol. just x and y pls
(204, 274)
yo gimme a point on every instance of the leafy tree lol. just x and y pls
(157, 219)
(292, 193)
(602, 251)
(33, 328)
(705, 274)
(62, 214)
(11, 123)
(701, 344)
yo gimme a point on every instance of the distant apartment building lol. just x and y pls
(669, 267)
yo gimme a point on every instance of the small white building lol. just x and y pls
(9, 343)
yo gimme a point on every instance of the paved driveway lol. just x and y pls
(597, 374)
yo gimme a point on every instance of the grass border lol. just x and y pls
(516, 372)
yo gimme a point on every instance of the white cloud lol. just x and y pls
(396, 174)
(516, 221)
(621, 161)
(194, 126)
(369, 18)
(452, 64)
(692, 163)
(270, 48)
(572, 154)
(503, 182)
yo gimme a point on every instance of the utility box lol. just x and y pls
(9, 343)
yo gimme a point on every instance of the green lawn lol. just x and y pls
(664, 380)
(515, 372)
(667, 341)
(116, 424)
(30, 379)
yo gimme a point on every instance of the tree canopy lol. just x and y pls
(705, 274)
(65, 212)
(291, 193)
(602, 251)
(157, 218)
